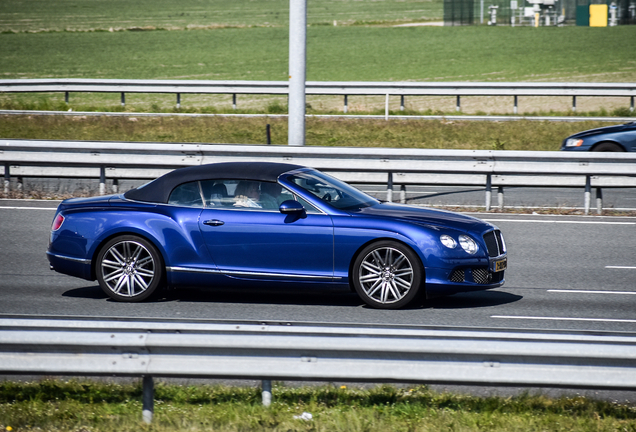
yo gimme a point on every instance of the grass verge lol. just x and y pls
(431, 134)
(97, 406)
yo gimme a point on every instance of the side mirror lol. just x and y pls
(291, 206)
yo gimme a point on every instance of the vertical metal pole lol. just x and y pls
(403, 194)
(500, 197)
(297, 71)
(631, 105)
(115, 185)
(102, 180)
(488, 191)
(515, 109)
(573, 103)
(267, 392)
(458, 106)
(178, 100)
(599, 201)
(389, 188)
(588, 192)
(7, 179)
(386, 107)
(148, 399)
(123, 99)
(346, 104)
(234, 101)
(66, 97)
(269, 134)
(402, 103)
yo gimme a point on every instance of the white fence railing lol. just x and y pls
(345, 89)
(390, 166)
(312, 352)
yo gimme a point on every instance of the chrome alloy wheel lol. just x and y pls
(386, 275)
(128, 269)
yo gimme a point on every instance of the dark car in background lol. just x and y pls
(618, 138)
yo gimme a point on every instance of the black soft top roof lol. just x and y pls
(159, 189)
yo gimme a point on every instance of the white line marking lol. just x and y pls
(560, 222)
(620, 267)
(29, 208)
(563, 319)
(592, 292)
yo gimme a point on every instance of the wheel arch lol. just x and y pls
(100, 245)
(610, 142)
(380, 239)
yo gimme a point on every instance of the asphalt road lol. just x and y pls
(565, 273)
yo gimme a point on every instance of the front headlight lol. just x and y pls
(573, 142)
(448, 241)
(468, 244)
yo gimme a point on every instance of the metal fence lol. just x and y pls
(345, 89)
(313, 352)
(393, 167)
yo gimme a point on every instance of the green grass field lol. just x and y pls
(84, 406)
(95, 15)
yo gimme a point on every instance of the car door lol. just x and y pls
(258, 243)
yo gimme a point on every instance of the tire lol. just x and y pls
(387, 275)
(608, 147)
(129, 268)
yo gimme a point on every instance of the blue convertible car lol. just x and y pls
(271, 223)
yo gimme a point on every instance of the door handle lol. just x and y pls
(213, 222)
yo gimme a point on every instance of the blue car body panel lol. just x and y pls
(623, 136)
(223, 246)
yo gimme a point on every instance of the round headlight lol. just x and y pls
(448, 241)
(468, 244)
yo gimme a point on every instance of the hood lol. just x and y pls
(605, 129)
(423, 215)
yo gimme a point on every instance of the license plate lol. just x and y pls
(501, 265)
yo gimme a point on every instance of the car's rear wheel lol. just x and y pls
(607, 147)
(387, 275)
(129, 268)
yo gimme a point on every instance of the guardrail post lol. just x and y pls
(7, 178)
(346, 104)
(488, 191)
(115, 185)
(234, 101)
(66, 97)
(402, 103)
(573, 103)
(500, 197)
(458, 105)
(515, 107)
(631, 105)
(102, 180)
(386, 107)
(123, 99)
(599, 201)
(148, 399)
(178, 100)
(389, 188)
(267, 392)
(403, 194)
(588, 193)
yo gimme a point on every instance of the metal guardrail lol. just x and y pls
(312, 352)
(345, 89)
(390, 166)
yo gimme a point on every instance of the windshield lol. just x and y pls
(331, 190)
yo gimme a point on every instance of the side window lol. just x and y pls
(187, 195)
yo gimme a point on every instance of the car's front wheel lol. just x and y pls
(387, 275)
(607, 147)
(129, 268)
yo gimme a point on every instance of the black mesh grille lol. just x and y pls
(494, 243)
(481, 276)
(457, 275)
